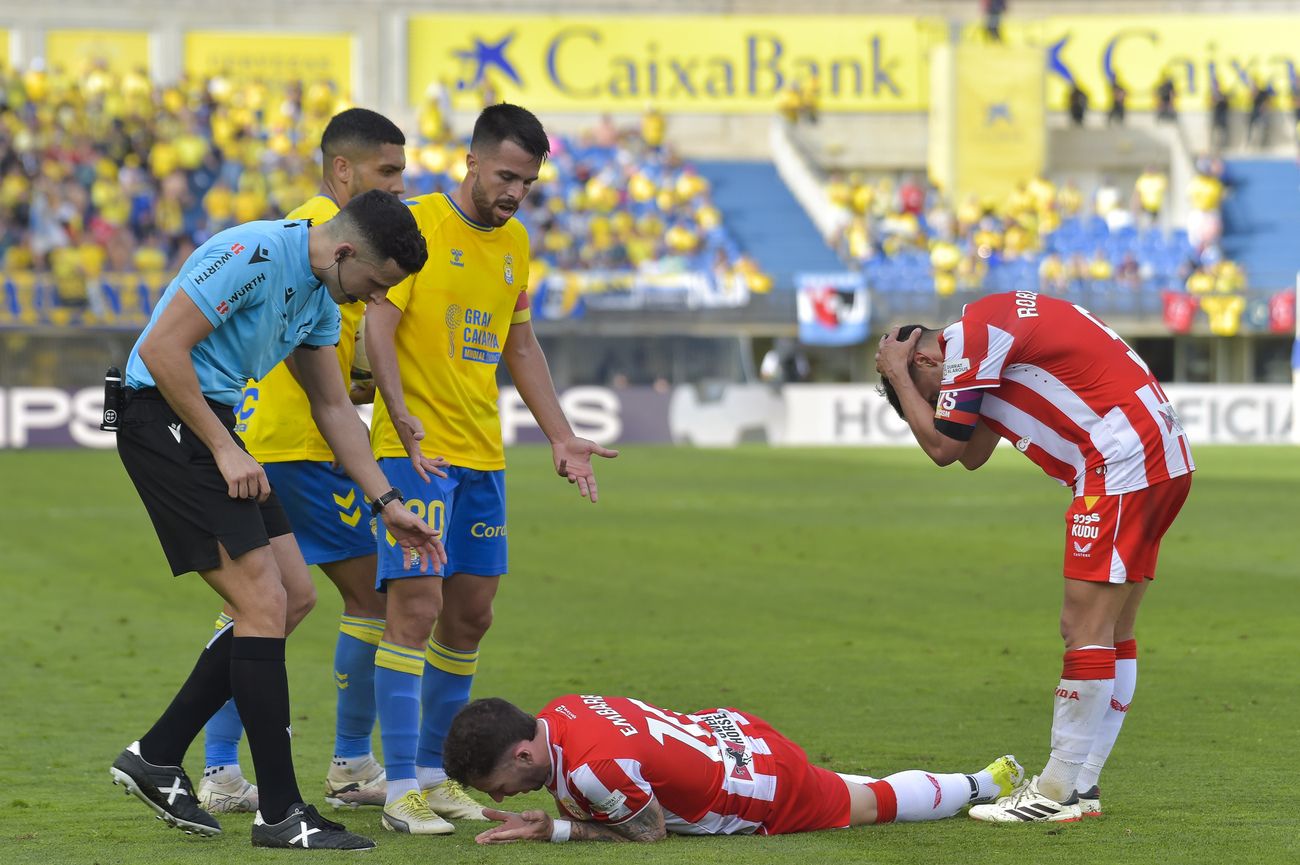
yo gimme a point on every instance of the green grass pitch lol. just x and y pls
(883, 613)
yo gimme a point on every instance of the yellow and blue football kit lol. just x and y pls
(456, 316)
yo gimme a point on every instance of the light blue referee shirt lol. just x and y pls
(255, 286)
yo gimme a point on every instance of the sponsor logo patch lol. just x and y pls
(954, 368)
(610, 803)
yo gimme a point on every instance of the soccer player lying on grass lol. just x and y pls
(623, 770)
(1066, 390)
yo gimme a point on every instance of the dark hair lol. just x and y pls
(480, 735)
(384, 223)
(358, 129)
(506, 122)
(886, 388)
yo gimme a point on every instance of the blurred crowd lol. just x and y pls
(108, 182)
(907, 237)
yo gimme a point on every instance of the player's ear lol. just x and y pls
(471, 162)
(342, 169)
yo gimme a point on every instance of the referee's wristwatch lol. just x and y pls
(377, 506)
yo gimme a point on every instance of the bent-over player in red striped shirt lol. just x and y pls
(1048, 376)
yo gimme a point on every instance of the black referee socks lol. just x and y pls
(260, 687)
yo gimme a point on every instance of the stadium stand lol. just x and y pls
(1261, 218)
(105, 189)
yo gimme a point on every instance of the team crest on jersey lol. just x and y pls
(510, 270)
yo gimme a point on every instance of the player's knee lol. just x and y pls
(411, 622)
(299, 601)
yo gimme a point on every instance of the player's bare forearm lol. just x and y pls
(920, 418)
(647, 825)
(532, 377)
(980, 447)
(337, 419)
(381, 331)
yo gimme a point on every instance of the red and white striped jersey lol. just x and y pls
(611, 755)
(1067, 391)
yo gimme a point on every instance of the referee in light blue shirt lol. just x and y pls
(244, 301)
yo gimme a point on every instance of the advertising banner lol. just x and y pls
(1138, 49)
(833, 308)
(706, 63)
(120, 51)
(276, 58)
(720, 416)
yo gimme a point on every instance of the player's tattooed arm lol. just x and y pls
(646, 825)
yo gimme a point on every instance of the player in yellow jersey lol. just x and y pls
(435, 347)
(361, 150)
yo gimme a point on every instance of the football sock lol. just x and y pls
(221, 737)
(207, 687)
(429, 776)
(222, 733)
(914, 795)
(354, 674)
(1126, 672)
(261, 689)
(397, 696)
(448, 674)
(1082, 699)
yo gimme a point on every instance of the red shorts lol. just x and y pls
(808, 797)
(1116, 539)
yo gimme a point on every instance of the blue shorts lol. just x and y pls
(326, 508)
(468, 507)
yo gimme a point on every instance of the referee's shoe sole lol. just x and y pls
(165, 789)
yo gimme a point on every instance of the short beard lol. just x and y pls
(485, 208)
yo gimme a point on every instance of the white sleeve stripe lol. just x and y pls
(1000, 343)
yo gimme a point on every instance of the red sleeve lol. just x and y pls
(974, 351)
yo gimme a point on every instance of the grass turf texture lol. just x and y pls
(883, 613)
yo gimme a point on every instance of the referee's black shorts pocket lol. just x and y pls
(184, 492)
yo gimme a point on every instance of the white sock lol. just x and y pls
(986, 787)
(927, 795)
(1081, 699)
(429, 776)
(351, 763)
(221, 774)
(1116, 712)
(399, 787)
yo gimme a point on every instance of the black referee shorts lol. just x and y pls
(183, 490)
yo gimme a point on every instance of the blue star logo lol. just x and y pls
(485, 55)
(1054, 62)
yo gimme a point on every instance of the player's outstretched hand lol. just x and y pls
(894, 357)
(528, 826)
(244, 477)
(572, 459)
(411, 432)
(414, 535)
